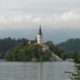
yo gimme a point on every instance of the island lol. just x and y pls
(34, 50)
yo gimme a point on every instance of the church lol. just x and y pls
(39, 40)
(40, 37)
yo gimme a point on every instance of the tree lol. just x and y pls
(76, 57)
(28, 53)
(61, 53)
(51, 45)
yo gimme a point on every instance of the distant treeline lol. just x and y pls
(70, 46)
(8, 43)
(64, 49)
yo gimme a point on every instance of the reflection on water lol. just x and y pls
(40, 71)
(35, 71)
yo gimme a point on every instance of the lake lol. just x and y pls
(35, 70)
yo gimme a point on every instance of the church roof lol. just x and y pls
(40, 30)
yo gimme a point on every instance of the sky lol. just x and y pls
(60, 19)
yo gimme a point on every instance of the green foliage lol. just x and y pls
(51, 45)
(34, 59)
(5, 45)
(8, 43)
(76, 74)
(45, 56)
(27, 53)
(76, 57)
(58, 51)
(69, 46)
(61, 53)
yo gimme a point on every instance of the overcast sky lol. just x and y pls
(29, 14)
(57, 14)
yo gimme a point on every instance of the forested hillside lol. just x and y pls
(7, 44)
(66, 47)
(28, 52)
(70, 46)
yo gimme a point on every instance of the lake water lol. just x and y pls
(35, 71)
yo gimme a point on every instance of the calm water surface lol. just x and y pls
(35, 71)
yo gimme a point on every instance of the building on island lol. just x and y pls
(39, 40)
(40, 37)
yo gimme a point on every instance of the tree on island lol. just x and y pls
(58, 51)
(28, 53)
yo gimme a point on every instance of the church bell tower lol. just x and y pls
(40, 37)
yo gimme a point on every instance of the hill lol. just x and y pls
(7, 43)
(66, 47)
(69, 46)
(28, 52)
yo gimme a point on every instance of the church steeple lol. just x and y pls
(40, 30)
(39, 36)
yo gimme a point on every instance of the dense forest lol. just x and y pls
(25, 51)
(7, 44)
(64, 49)
(70, 46)
(28, 52)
